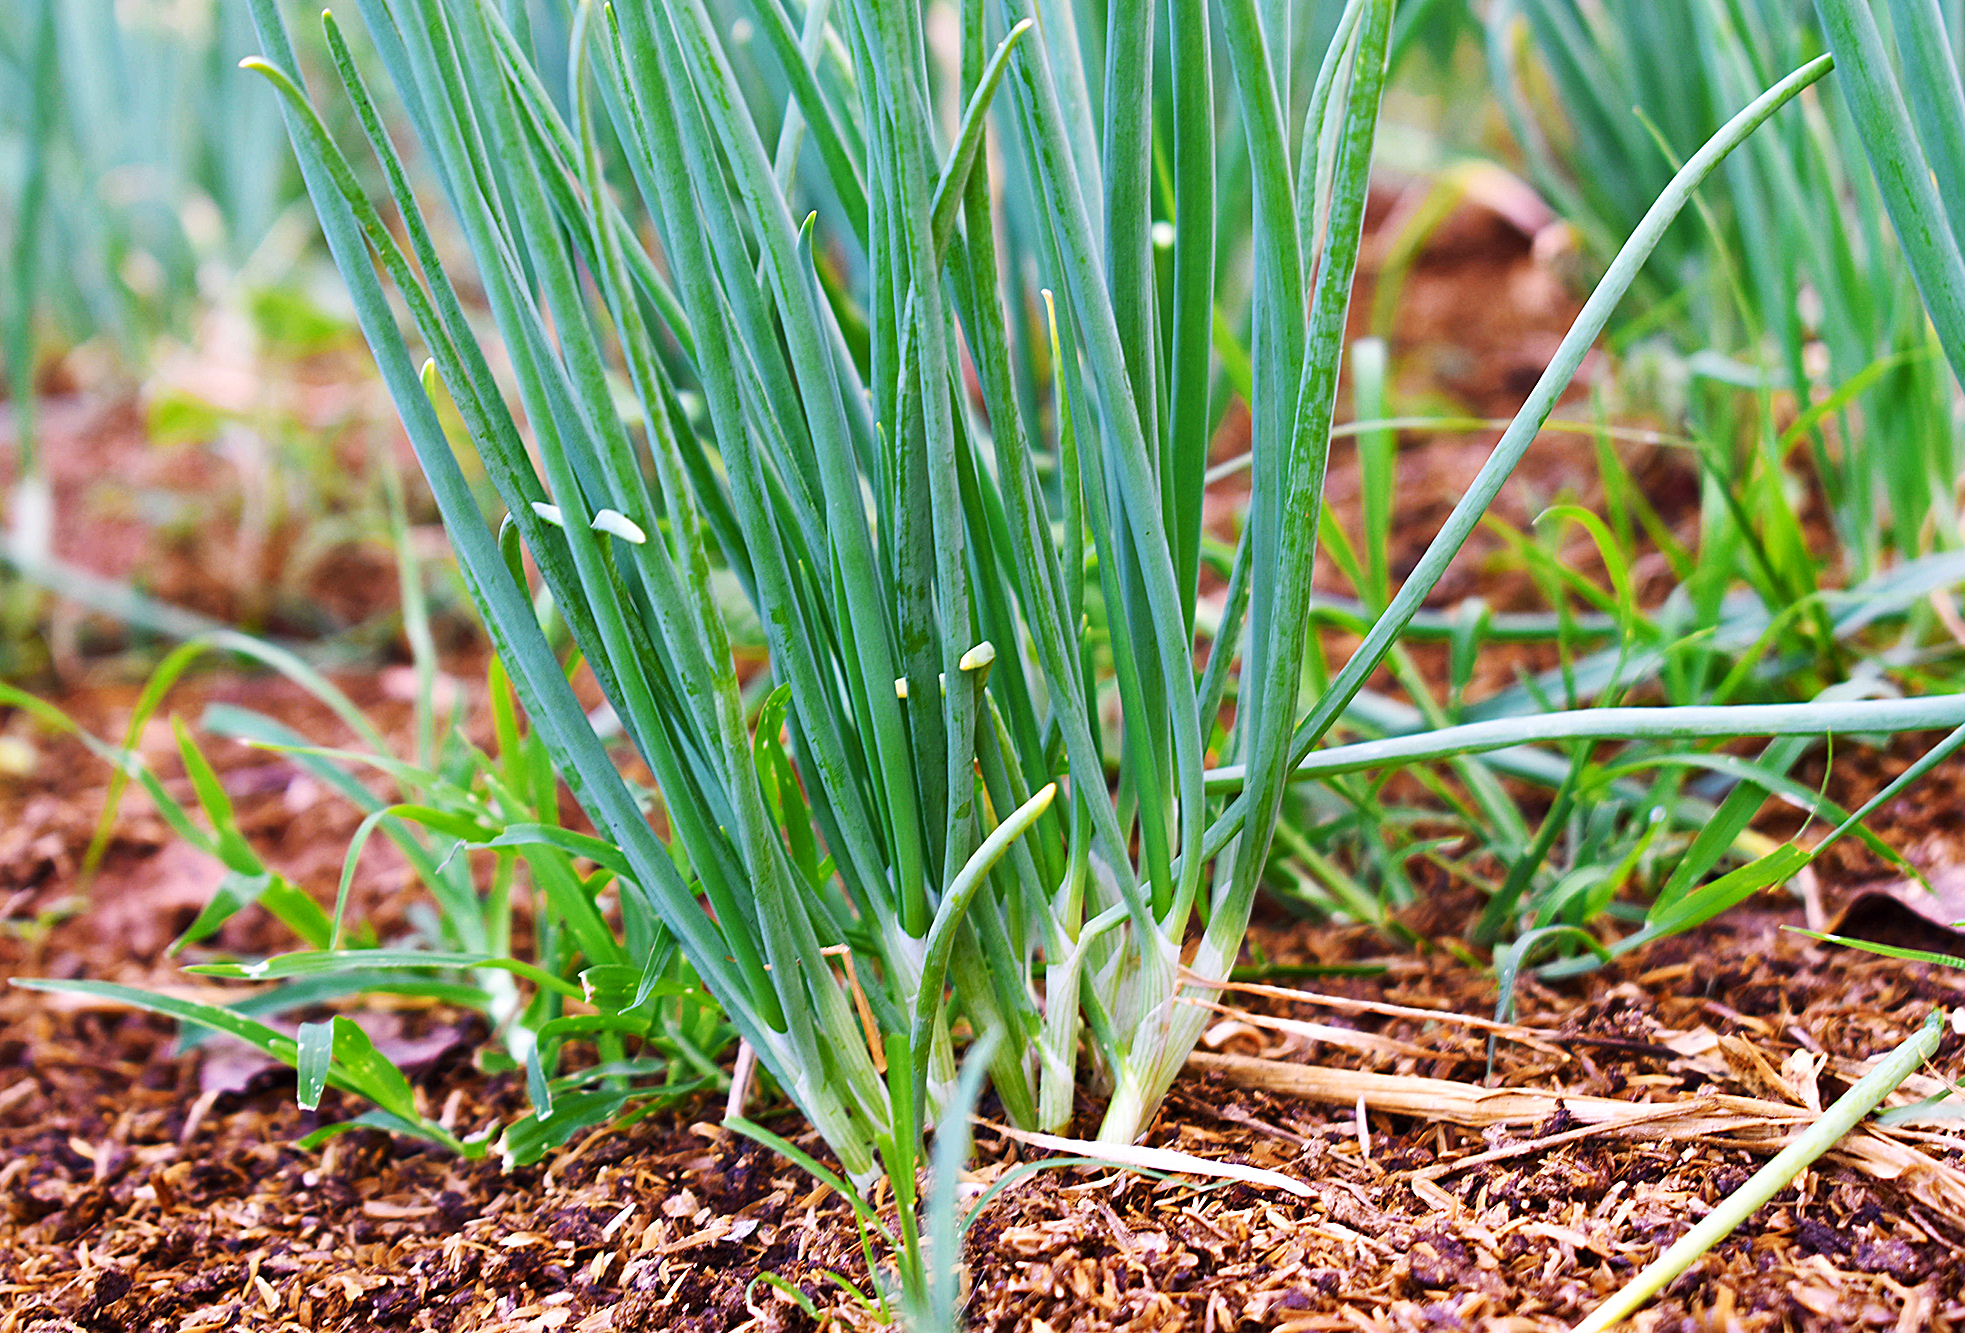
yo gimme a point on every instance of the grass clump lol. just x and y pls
(939, 649)
(531, 943)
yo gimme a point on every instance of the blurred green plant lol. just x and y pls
(1908, 111)
(1607, 100)
(126, 134)
(141, 189)
(1785, 316)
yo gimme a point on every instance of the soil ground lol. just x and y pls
(1461, 1174)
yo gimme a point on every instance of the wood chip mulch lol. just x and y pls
(132, 1197)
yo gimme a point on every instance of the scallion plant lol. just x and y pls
(1769, 295)
(1908, 112)
(915, 339)
(136, 168)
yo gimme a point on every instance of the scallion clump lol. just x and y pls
(915, 330)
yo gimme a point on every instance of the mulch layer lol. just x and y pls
(132, 1196)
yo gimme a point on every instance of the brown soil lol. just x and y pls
(140, 1194)
(143, 1188)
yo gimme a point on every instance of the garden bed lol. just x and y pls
(144, 1188)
